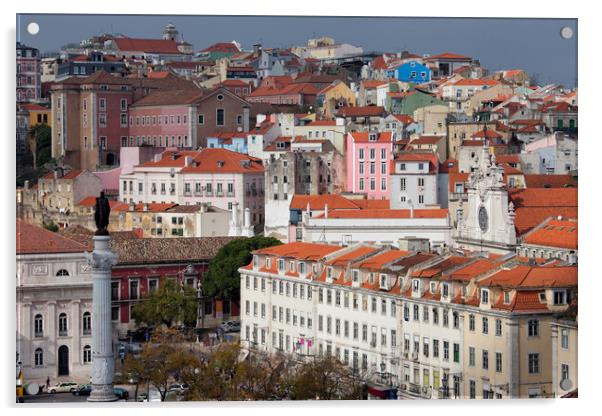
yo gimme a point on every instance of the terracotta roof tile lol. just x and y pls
(32, 239)
(554, 233)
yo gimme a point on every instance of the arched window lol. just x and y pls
(38, 326)
(39, 358)
(62, 272)
(63, 324)
(87, 354)
(87, 323)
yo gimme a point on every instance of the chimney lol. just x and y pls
(203, 207)
(157, 157)
(235, 214)
(325, 210)
(173, 156)
(256, 49)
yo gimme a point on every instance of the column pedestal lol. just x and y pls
(103, 364)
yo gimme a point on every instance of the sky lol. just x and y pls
(534, 45)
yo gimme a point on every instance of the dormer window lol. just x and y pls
(506, 298)
(485, 296)
(542, 297)
(383, 281)
(464, 291)
(314, 268)
(372, 278)
(301, 267)
(560, 297)
(268, 262)
(329, 273)
(433, 287)
(445, 291)
(255, 261)
(415, 285)
(280, 265)
(356, 276)
(292, 266)
(372, 137)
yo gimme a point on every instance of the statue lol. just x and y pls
(102, 210)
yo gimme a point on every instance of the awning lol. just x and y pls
(384, 393)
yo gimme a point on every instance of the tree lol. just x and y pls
(163, 360)
(327, 379)
(51, 226)
(222, 279)
(167, 306)
(40, 140)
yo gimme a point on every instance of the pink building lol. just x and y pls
(185, 118)
(28, 73)
(368, 155)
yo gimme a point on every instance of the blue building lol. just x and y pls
(236, 142)
(413, 72)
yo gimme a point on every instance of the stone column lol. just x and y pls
(103, 364)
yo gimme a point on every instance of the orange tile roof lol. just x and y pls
(227, 47)
(90, 201)
(455, 177)
(209, 160)
(448, 55)
(299, 250)
(533, 277)
(386, 213)
(378, 261)
(470, 271)
(317, 202)
(367, 111)
(427, 140)
(371, 83)
(475, 82)
(486, 134)
(350, 256)
(403, 118)
(32, 239)
(364, 137)
(147, 45)
(437, 269)
(72, 174)
(533, 205)
(522, 301)
(550, 181)
(555, 233)
(34, 107)
(372, 203)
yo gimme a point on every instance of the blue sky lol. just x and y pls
(534, 45)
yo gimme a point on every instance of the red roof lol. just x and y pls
(550, 181)
(386, 213)
(72, 174)
(364, 137)
(378, 261)
(317, 202)
(486, 134)
(554, 233)
(299, 250)
(371, 83)
(403, 118)
(32, 239)
(427, 140)
(368, 111)
(449, 56)
(163, 46)
(209, 160)
(34, 107)
(476, 82)
(533, 205)
(351, 256)
(226, 47)
(523, 276)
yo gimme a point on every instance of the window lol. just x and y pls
(485, 360)
(416, 313)
(435, 316)
(485, 325)
(533, 328)
(402, 184)
(471, 356)
(456, 320)
(87, 323)
(564, 338)
(498, 327)
(39, 358)
(87, 354)
(533, 363)
(446, 350)
(564, 372)
(425, 313)
(63, 324)
(456, 353)
(406, 313)
(498, 362)
(220, 117)
(471, 322)
(484, 296)
(425, 347)
(560, 297)
(62, 272)
(445, 318)
(201, 119)
(38, 326)
(133, 289)
(337, 327)
(473, 389)
(435, 348)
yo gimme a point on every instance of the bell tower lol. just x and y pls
(487, 221)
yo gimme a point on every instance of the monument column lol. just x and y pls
(102, 259)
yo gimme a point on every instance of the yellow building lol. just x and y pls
(38, 115)
(336, 95)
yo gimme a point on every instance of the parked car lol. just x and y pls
(84, 390)
(178, 387)
(121, 392)
(230, 326)
(65, 387)
(155, 396)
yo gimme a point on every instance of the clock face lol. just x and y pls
(483, 218)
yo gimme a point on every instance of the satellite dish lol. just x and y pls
(32, 389)
(566, 384)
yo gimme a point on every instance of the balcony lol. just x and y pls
(39, 334)
(457, 196)
(162, 191)
(219, 193)
(63, 333)
(187, 193)
(208, 193)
